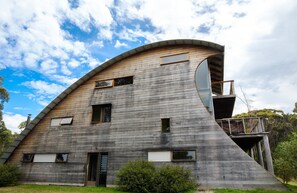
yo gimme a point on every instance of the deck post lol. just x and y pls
(260, 155)
(268, 154)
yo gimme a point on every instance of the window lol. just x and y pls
(61, 121)
(104, 84)
(159, 156)
(183, 155)
(101, 113)
(44, 158)
(28, 157)
(174, 58)
(165, 125)
(123, 81)
(62, 157)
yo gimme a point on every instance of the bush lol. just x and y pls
(9, 174)
(144, 177)
(137, 176)
(174, 179)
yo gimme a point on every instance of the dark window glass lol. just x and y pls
(62, 157)
(123, 81)
(28, 157)
(165, 125)
(101, 113)
(175, 58)
(183, 155)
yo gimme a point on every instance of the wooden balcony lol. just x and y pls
(245, 132)
(223, 98)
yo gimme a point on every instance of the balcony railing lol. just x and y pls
(238, 126)
(223, 87)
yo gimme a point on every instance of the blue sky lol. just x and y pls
(47, 45)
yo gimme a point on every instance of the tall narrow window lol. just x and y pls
(174, 58)
(101, 113)
(165, 125)
(123, 81)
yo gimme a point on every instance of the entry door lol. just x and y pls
(97, 169)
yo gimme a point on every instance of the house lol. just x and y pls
(158, 102)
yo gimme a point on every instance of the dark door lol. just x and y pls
(103, 169)
(97, 169)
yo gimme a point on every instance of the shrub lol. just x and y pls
(144, 177)
(137, 176)
(9, 174)
(173, 179)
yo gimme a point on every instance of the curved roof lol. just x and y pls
(91, 73)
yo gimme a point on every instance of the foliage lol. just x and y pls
(6, 137)
(4, 96)
(173, 179)
(22, 125)
(285, 159)
(143, 176)
(295, 108)
(9, 175)
(137, 176)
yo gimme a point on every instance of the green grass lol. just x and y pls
(56, 189)
(59, 189)
(293, 189)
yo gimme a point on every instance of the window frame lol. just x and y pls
(101, 115)
(183, 160)
(114, 80)
(61, 119)
(177, 61)
(31, 159)
(108, 86)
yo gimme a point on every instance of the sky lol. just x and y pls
(46, 45)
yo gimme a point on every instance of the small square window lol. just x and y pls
(183, 156)
(62, 157)
(165, 125)
(101, 113)
(28, 157)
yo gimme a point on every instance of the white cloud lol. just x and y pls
(119, 44)
(43, 87)
(12, 121)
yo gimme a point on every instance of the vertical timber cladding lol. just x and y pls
(157, 92)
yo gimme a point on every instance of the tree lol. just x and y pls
(22, 125)
(4, 97)
(285, 158)
(6, 137)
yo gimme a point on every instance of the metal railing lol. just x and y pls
(223, 87)
(237, 126)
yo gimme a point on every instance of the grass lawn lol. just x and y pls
(59, 189)
(70, 189)
(292, 187)
(56, 189)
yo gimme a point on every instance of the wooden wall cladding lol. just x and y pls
(157, 92)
